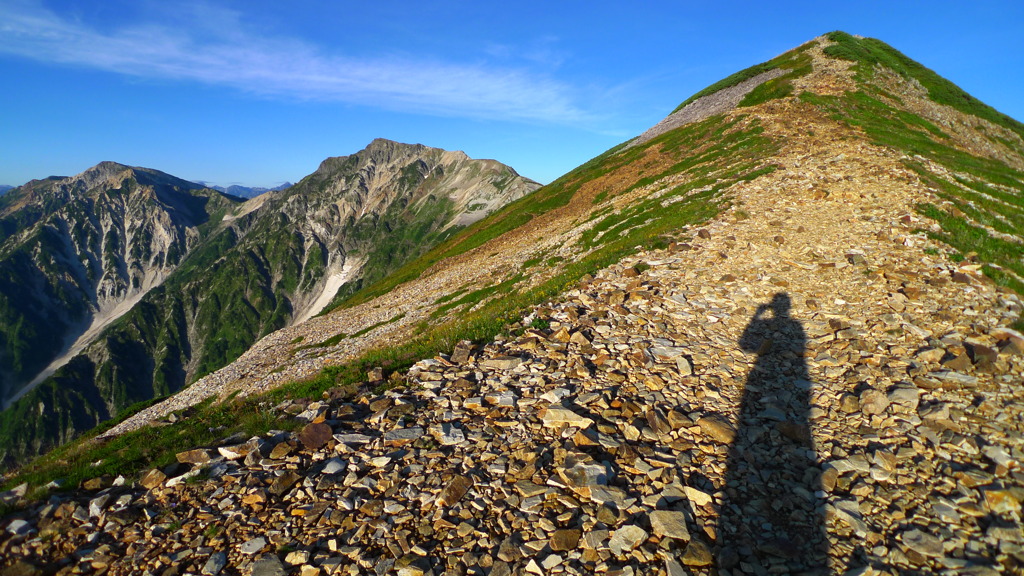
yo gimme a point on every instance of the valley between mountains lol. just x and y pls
(778, 334)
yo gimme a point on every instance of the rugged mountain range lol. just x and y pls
(777, 333)
(124, 284)
(4, 188)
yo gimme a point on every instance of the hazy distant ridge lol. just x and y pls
(244, 191)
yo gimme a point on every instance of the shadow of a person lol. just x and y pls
(771, 520)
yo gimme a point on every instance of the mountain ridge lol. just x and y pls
(776, 338)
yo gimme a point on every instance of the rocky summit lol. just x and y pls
(817, 376)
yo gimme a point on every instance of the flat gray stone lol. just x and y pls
(502, 363)
(696, 496)
(450, 435)
(98, 505)
(555, 416)
(673, 568)
(334, 466)
(353, 438)
(955, 378)
(666, 353)
(19, 527)
(849, 512)
(253, 546)
(403, 435)
(608, 495)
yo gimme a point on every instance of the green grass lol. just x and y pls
(533, 261)
(540, 324)
(869, 52)
(966, 237)
(452, 296)
(337, 338)
(707, 176)
(770, 90)
(372, 327)
(798, 64)
(332, 341)
(475, 297)
(149, 447)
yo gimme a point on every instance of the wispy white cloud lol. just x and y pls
(543, 51)
(282, 67)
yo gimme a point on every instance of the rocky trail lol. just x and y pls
(796, 388)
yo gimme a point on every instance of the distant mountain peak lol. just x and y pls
(109, 165)
(383, 149)
(105, 170)
(114, 172)
(385, 143)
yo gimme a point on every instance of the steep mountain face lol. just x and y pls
(781, 340)
(76, 253)
(275, 260)
(392, 202)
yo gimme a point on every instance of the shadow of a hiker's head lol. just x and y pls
(780, 305)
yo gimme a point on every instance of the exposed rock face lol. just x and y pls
(275, 260)
(368, 212)
(76, 254)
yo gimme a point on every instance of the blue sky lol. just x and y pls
(259, 92)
